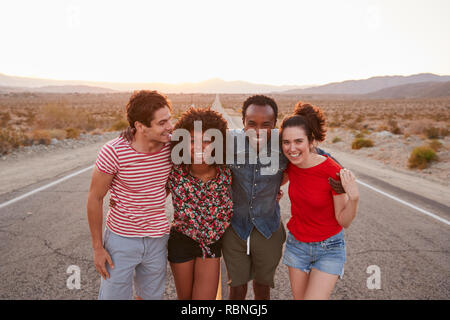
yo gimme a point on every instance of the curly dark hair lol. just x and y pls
(210, 120)
(260, 100)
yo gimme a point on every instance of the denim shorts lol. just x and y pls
(142, 260)
(327, 255)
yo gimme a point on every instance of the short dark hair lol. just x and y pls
(143, 104)
(260, 100)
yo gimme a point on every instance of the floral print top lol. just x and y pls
(202, 210)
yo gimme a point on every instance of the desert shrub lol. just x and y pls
(41, 136)
(120, 125)
(381, 127)
(72, 133)
(359, 143)
(96, 132)
(58, 116)
(4, 118)
(435, 145)
(30, 117)
(421, 156)
(393, 127)
(335, 123)
(432, 132)
(59, 134)
(336, 139)
(359, 135)
(355, 125)
(10, 139)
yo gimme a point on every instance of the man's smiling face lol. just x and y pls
(259, 118)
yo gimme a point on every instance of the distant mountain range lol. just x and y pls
(369, 85)
(431, 89)
(208, 86)
(424, 85)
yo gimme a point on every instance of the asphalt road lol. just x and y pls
(44, 234)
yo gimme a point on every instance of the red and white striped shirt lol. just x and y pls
(138, 189)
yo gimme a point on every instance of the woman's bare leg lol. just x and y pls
(206, 278)
(183, 275)
(320, 285)
(299, 282)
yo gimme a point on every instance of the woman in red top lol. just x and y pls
(315, 248)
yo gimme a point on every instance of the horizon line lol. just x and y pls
(215, 78)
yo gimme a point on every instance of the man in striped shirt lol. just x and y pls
(135, 173)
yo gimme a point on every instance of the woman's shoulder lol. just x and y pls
(224, 171)
(331, 166)
(177, 171)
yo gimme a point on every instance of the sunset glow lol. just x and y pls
(273, 42)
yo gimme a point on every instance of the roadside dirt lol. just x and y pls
(30, 165)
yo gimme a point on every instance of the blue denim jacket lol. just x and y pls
(254, 194)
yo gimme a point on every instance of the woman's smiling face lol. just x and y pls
(295, 145)
(203, 152)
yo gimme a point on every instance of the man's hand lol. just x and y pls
(349, 183)
(279, 195)
(101, 257)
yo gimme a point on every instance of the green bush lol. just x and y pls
(421, 156)
(359, 143)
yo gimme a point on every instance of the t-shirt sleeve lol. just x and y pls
(334, 168)
(107, 161)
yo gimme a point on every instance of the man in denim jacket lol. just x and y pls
(252, 246)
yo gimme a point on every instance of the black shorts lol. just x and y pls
(181, 248)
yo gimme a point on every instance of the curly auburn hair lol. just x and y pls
(143, 104)
(210, 120)
(310, 118)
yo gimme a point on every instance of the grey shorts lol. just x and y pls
(144, 258)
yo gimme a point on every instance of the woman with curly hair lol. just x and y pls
(202, 210)
(315, 248)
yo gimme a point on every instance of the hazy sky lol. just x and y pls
(274, 42)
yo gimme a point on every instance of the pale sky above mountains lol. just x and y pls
(273, 42)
